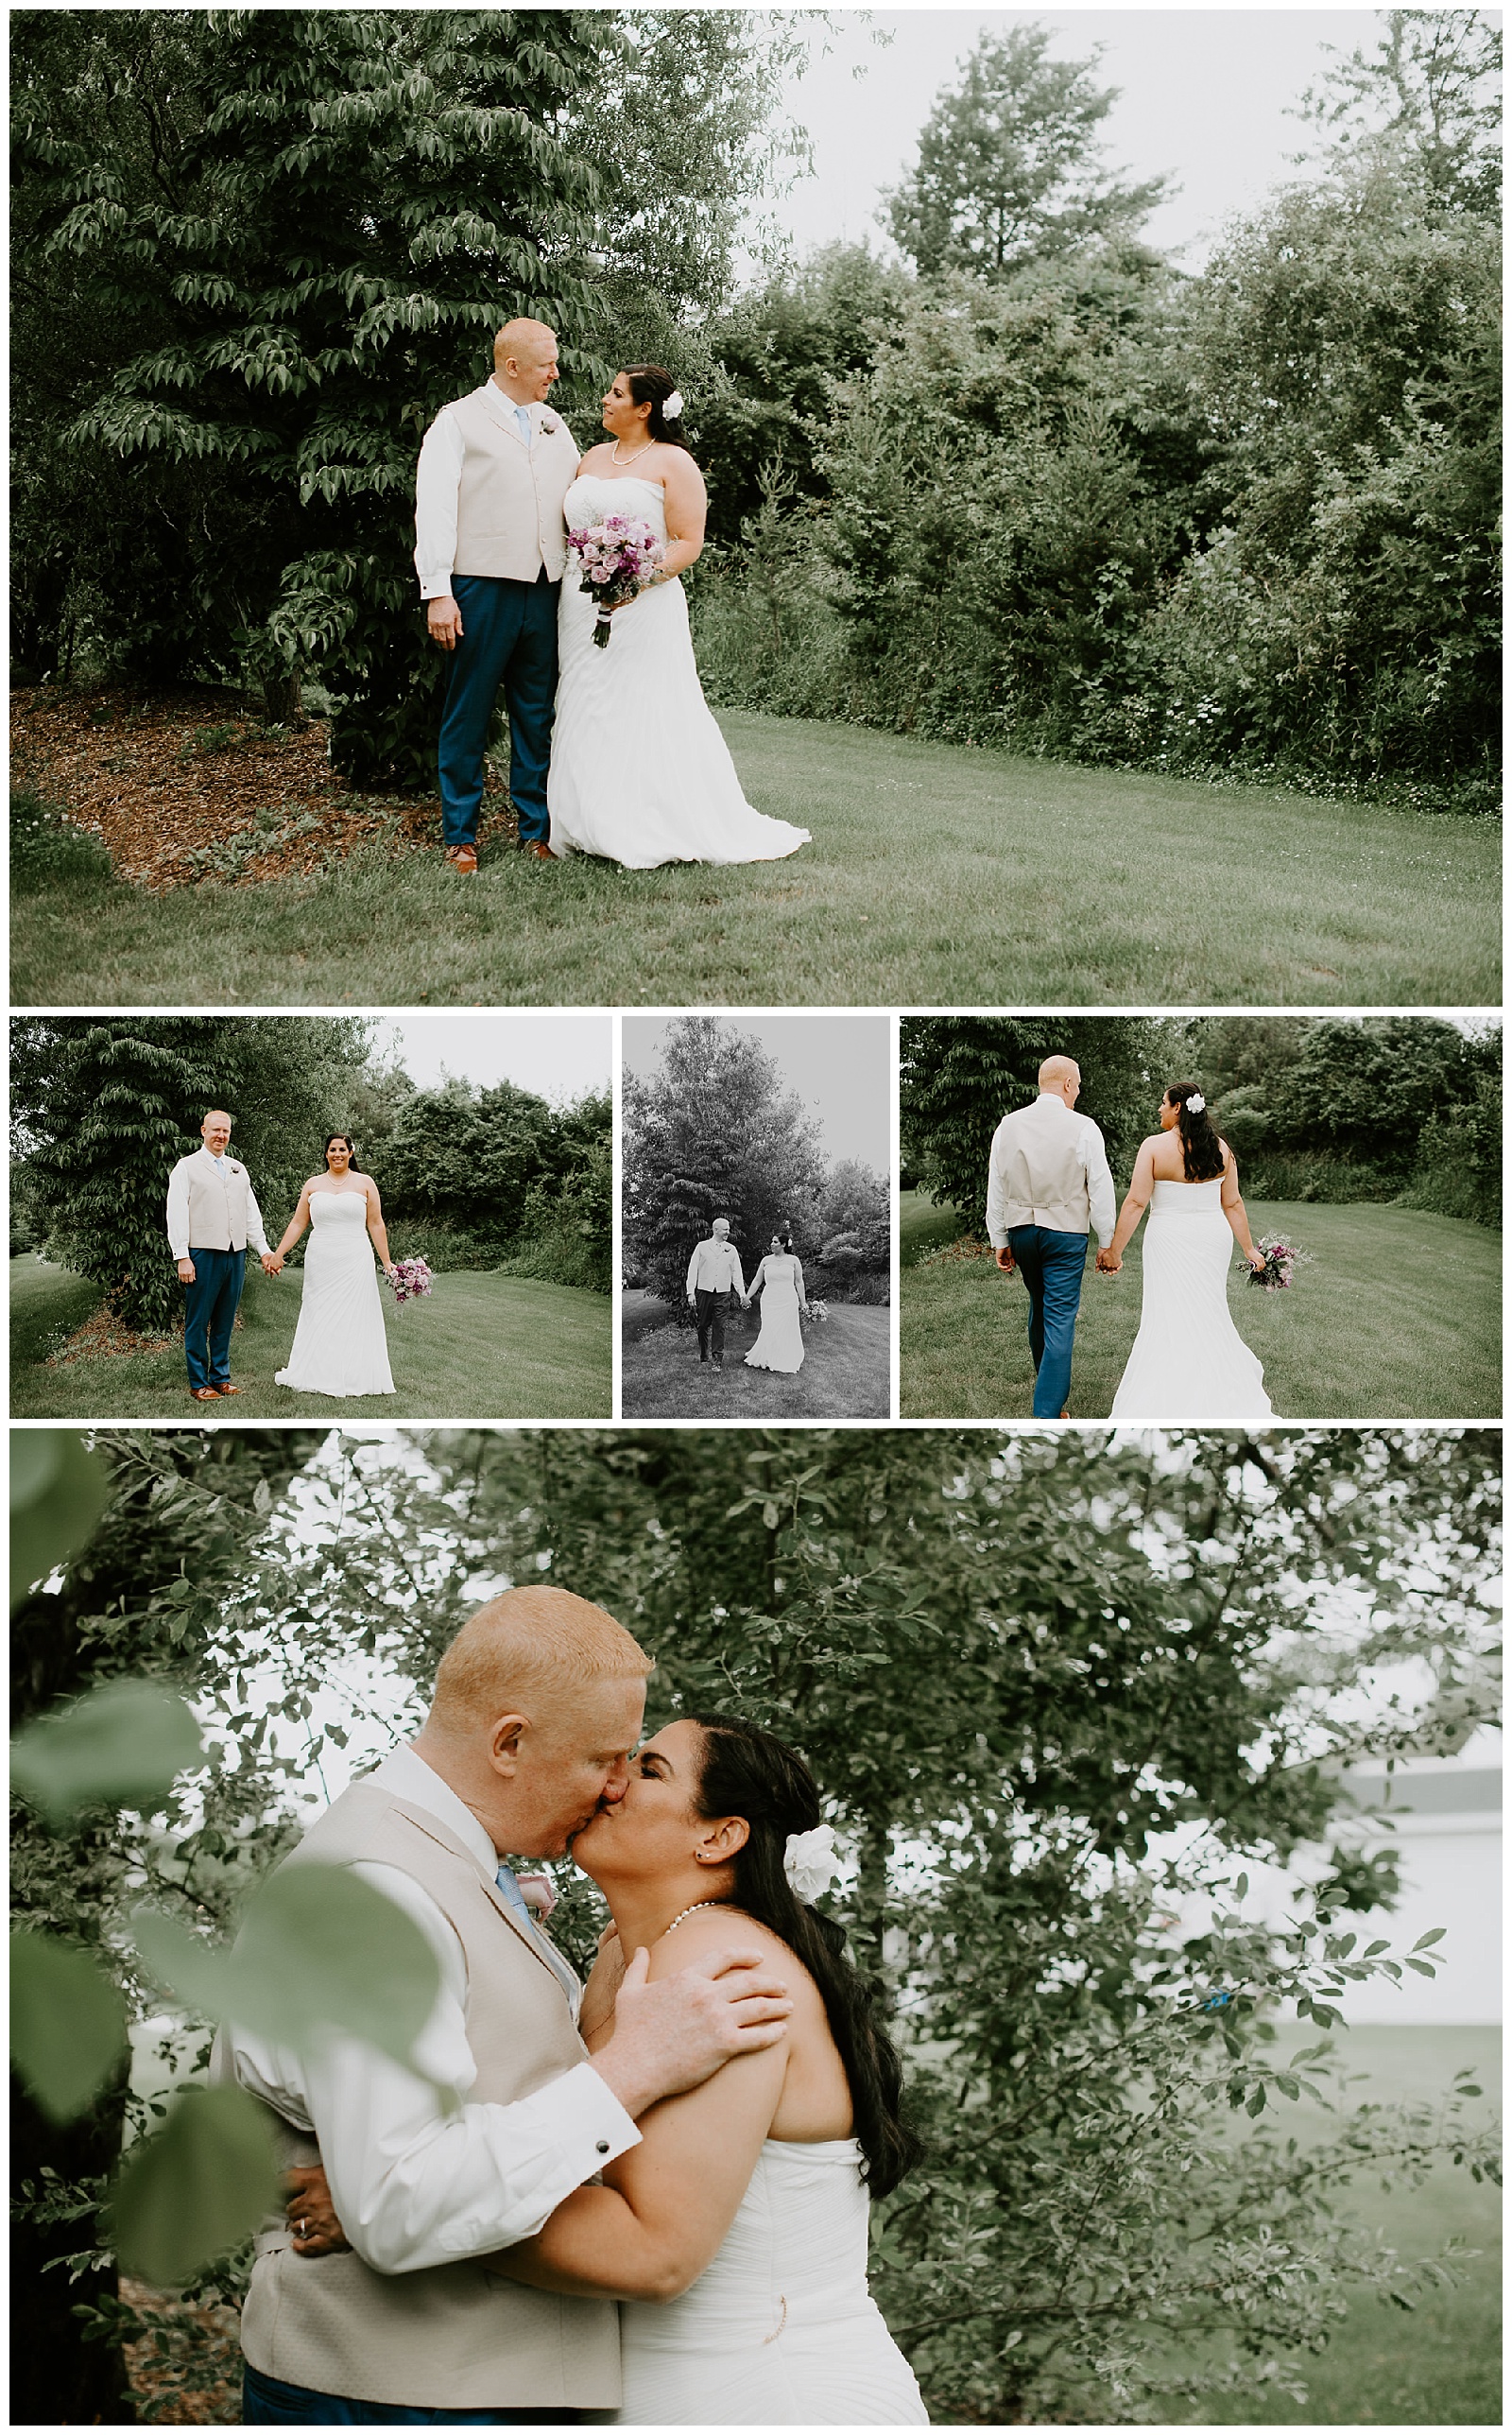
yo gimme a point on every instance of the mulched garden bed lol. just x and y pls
(190, 784)
(104, 1333)
(185, 2367)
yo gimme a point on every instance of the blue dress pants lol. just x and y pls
(509, 638)
(209, 1309)
(1051, 1265)
(266, 2401)
(711, 1310)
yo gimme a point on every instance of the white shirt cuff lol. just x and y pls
(436, 587)
(583, 2115)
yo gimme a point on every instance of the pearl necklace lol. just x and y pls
(615, 459)
(688, 1914)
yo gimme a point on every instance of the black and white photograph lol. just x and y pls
(1119, 1819)
(756, 1218)
(309, 1213)
(868, 507)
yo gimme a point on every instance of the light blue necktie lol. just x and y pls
(508, 1885)
(522, 416)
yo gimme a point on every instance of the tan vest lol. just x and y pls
(1037, 1161)
(446, 2337)
(508, 500)
(219, 1201)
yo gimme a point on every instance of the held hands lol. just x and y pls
(1108, 1261)
(312, 2217)
(272, 1264)
(444, 620)
(673, 2033)
(186, 1272)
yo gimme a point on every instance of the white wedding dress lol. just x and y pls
(1189, 1361)
(339, 1345)
(640, 772)
(779, 1345)
(780, 2330)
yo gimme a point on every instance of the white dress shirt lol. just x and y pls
(715, 1267)
(1090, 1153)
(441, 454)
(179, 1222)
(412, 2184)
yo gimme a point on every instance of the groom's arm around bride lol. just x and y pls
(537, 1705)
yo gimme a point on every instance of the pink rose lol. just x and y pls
(538, 1892)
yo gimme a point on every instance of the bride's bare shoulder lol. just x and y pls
(719, 1929)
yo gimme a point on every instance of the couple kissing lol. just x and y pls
(644, 2200)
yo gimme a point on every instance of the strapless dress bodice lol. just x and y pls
(1173, 1199)
(592, 496)
(328, 1208)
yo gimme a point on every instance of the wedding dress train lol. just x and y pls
(780, 2330)
(640, 772)
(1189, 1361)
(339, 1344)
(779, 1345)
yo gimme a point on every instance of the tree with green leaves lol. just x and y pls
(712, 1134)
(961, 1075)
(102, 1106)
(1010, 169)
(1430, 91)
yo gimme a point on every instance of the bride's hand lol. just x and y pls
(311, 2218)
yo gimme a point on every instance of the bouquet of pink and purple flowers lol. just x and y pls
(617, 556)
(409, 1279)
(1281, 1259)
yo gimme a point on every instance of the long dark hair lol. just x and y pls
(1201, 1150)
(352, 1146)
(652, 385)
(750, 1774)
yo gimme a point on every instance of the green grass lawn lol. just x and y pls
(481, 1347)
(844, 1377)
(1440, 2366)
(1398, 1316)
(938, 875)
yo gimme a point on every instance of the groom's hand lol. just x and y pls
(1004, 1256)
(444, 619)
(186, 1272)
(1109, 1261)
(673, 2033)
(272, 1264)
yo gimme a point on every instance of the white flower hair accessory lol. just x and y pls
(672, 407)
(811, 1863)
(1196, 1104)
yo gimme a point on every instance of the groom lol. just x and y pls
(491, 545)
(213, 1216)
(713, 1275)
(1047, 1181)
(538, 1704)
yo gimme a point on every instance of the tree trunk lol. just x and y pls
(282, 705)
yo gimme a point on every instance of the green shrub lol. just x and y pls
(1459, 1160)
(1309, 1175)
(48, 850)
(446, 1248)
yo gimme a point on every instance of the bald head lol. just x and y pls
(215, 1130)
(521, 1649)
(525, 360)
(721, 1227)
(1061, 1075)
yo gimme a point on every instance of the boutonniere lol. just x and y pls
(549, 424)
(539, 1893)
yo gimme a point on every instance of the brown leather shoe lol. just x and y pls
(204, 1394)
(463, 858)
(227, 1388)
(539, 847)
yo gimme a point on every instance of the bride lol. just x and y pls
(339, 1345)
(1189, 1360)
(734, 2236)
(640, 772)
(780, 1283)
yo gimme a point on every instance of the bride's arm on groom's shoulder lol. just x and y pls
(655, 2224)
(376, 1222)
(1136, 1200)
(1234, 1210)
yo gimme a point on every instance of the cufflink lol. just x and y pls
(603, 2146)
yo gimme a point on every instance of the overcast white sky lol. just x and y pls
(1204, 94)
(556, 1056)
(838, 1064)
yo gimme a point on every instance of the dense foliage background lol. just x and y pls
(1030, 485)
(1402, 1108)
(1056, 1692)
(101, 1107)
(713, 1134)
